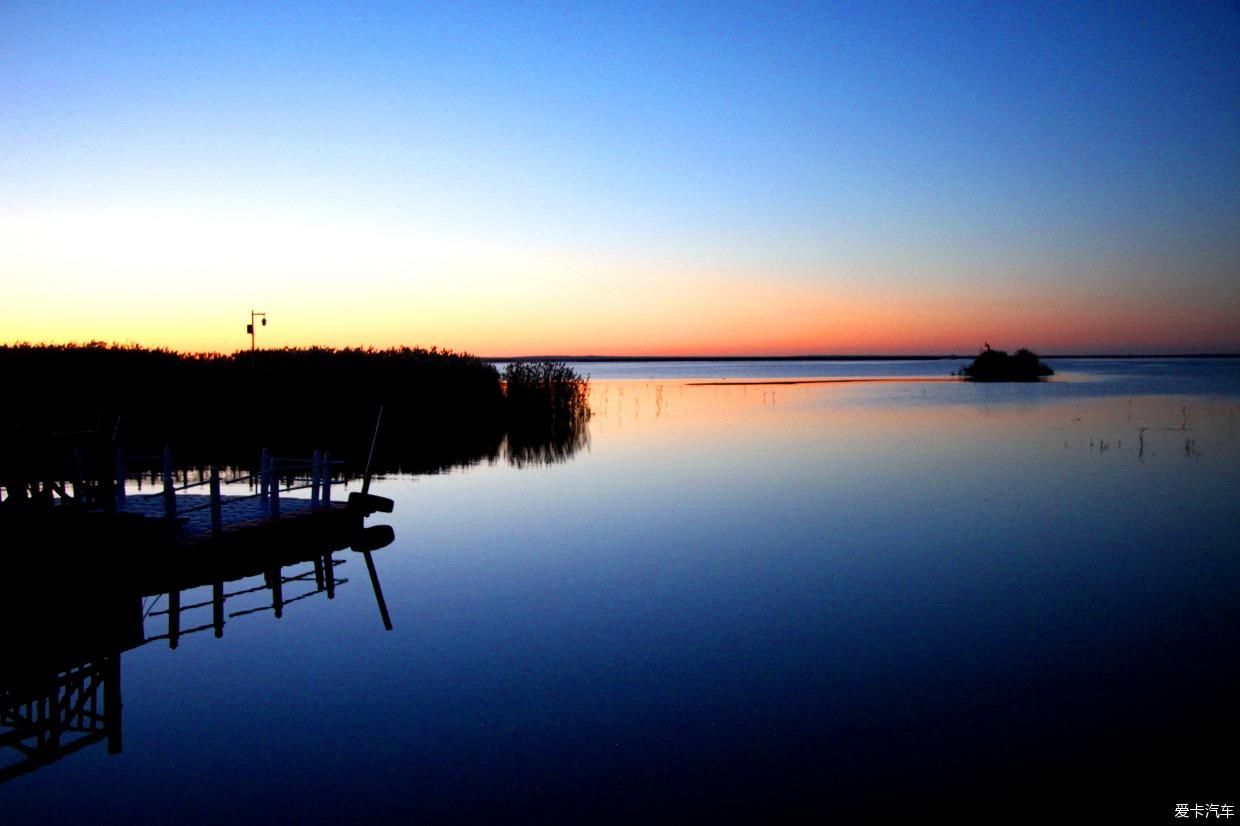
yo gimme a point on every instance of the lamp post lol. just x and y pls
(249, 328)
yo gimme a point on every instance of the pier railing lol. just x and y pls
(315, 474)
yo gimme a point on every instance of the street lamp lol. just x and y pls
(249, 328)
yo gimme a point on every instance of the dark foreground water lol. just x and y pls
(740, 602)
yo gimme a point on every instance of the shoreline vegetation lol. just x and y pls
(442, 409)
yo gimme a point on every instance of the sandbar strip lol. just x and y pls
(726, 383)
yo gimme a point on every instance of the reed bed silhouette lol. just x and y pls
(441, 408)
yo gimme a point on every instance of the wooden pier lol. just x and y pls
(199, 508)
(70, 605)
(106, 569)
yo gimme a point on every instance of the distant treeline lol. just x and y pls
(441, 408)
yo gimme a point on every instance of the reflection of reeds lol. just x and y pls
(530, 445)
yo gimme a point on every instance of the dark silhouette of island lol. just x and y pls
(998, 365)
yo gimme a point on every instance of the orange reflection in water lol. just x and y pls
(903, 419)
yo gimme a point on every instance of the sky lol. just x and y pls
(623, 178)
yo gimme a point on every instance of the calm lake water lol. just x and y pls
(740, 600)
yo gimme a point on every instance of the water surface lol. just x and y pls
(737, 600)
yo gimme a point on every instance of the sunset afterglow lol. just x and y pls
(512, 180)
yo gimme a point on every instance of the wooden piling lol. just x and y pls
(79, 486)
(217, 522)
(316, 473)
(170, 494)
(120, 474)
(264, 473)
(327, 479)
(370, 458)
(274, 487)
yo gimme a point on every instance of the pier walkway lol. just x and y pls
(194, 510)
(200, 508)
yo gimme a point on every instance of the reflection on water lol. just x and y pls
(44, 717)
(1092, 376)
(741, 602)
(66, 626)
(546, 443)
(521, 444)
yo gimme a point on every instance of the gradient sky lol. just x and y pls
(671, 178)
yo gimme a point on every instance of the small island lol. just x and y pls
(998, 365)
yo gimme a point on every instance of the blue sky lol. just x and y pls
(680, 159)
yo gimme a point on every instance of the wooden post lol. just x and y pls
(264, 474)
(329, 573)
(170, 494)
(326, 498)
(79, 486)
(274, 487)
(316, 471)
(101, 468)
(120, 477)
(374, 440)
(217, 522)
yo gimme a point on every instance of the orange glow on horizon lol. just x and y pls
(745, 323)
(187, 282)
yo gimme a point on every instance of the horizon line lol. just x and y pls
(597, 357)
(842, 357)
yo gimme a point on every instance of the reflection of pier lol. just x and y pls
(68, 612)
(87, 566)
(274, 579)
(47, 718)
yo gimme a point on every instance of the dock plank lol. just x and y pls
(194, 510)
